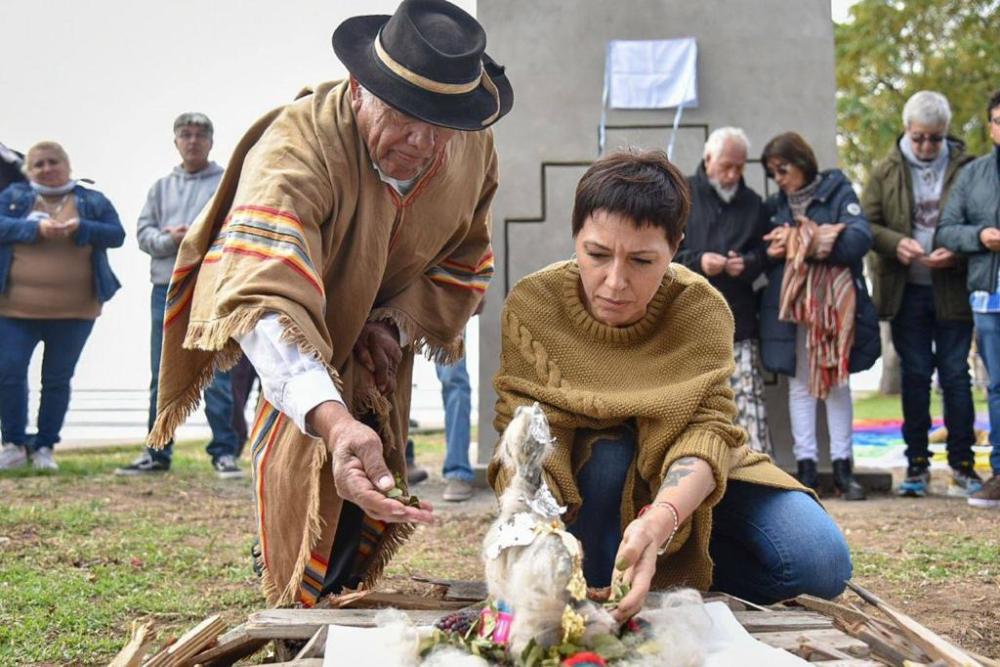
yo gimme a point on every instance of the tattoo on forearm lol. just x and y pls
(680, 469)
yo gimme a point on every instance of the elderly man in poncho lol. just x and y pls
(350, 231)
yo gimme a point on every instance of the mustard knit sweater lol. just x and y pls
(668, 374)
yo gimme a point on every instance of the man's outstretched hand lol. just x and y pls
(359, 471)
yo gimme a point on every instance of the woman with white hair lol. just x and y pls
(54, 276)
(921, 290)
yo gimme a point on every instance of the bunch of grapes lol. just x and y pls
(459, 622)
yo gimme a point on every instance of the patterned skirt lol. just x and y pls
(748, 387)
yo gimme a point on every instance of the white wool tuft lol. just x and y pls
(452, 657)
(398, 640)
(682, 628)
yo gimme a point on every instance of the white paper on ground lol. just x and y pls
(350, 647)
(730, 645)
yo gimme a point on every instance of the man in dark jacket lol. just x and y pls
(724, 243)
(970, 225)
(921, 290)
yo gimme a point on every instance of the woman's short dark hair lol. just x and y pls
(641, 185)
(792, 148)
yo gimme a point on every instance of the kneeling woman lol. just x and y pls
(630, 357)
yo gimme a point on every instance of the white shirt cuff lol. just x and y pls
(304, 391)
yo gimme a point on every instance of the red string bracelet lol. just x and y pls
(677, 521)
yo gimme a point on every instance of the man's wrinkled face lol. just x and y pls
(726, 169)
(401, 146)
(926, 140)
(194, 143)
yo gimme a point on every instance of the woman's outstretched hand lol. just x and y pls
(635, 563)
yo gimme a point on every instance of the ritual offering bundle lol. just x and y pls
(539, 612)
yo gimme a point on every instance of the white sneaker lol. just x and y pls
(42, 459)
(12, 456)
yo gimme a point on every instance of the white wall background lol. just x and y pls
(107, 79)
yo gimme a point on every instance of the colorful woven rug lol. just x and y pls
(878, 443)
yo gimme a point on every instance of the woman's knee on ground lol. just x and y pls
(822, 565)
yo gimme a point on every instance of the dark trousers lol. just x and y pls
(242, 376)
(64, 341)
(218, 394)
(925, 343)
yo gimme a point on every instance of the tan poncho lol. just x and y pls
(668, 373)
(302, 226)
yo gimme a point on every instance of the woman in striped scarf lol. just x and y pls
(818, 324)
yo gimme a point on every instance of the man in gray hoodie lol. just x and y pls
(173, 203)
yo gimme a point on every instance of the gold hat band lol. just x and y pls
(436, 86)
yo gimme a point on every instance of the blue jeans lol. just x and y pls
(767, 544)
(988, 340)
(218, 394)
(64, 341)
(925, 343)
(457, 396)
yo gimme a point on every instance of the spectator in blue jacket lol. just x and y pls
(970, 225)
(818, 323)
(54, 277)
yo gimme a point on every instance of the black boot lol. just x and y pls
(807, 474)
(843, 479)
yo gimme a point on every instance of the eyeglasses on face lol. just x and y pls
(925, 138)
(780, 169)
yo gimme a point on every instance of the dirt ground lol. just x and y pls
(936, 558)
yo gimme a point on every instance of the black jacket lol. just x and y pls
(715, 226)
(10, 172)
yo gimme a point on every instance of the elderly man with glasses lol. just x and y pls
(969, 226)
(920, 290)
(351, 230)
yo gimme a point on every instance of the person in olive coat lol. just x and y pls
(921, 289)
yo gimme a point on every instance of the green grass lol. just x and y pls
(883, 406)
(934, 558)
(83, 553)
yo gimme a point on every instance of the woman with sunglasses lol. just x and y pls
(818, 324)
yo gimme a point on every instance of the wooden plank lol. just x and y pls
(467, 590)
(891, 646)
(832, 609)
(792, 641)
(132, 653)
(933, 644)
(403, 601)
(232, 647)
(315, 647)
(848, 663)
(779, 621)
(303, 623)
(192, 642)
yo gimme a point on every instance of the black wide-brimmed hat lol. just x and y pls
(429, 61)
